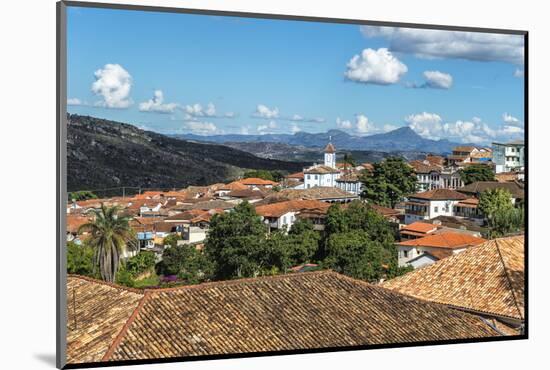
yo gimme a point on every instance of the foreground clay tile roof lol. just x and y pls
(447, 240)
(286, 312)
(487, 279)
(420, 227)
(96, 313)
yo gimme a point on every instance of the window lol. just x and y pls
(316, 177)
(436, 209)
(406, 254)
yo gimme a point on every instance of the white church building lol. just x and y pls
(325, 174)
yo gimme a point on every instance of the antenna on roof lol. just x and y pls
(329, 138)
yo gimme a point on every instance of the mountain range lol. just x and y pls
(103, 154)
(401, 139)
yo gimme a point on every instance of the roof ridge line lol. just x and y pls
(107, 283)
(508, 279)
(125, 328)
(239, 281)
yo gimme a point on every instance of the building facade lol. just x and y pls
(509, 157)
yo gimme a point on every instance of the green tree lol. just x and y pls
(389, 182)
(355, 254)
(236, 243)
(187, 262)
(110, 237)
(265, 174)
(142, 262)
(80, 259)
(502, 217)
(171, 240)
(81, 195)
(348, 160)
(495, 200)
(476, 172)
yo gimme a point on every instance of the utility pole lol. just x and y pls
(123, 192)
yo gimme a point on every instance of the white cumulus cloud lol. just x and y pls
(294, 128)
(427, 43)
(511, 120)
(156, 104)
(432, 126)
(267, 128)
(344, 124)
(74, 101)
(438, 80)
(201, 128)
(262, 111)
(113, 84)
(363, 125)
(379, 67)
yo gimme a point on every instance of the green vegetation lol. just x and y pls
(110, 237)
(389, 182)
(186, 262)
(80, 259)
(265, 174)
(476, 172)
(81, 195)
(502, 217)
(348, 160)
(360, 243)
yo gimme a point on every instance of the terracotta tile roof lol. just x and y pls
(488, 278)
(420, 227)
(235, 185)
(349, 177)
(385, 211)
(456, 223)
(257, 181)
(75, 221)
(447, 240)
(330, 148)
(463, 148)
(435, 159)
(424, 166)
(367, 166)
(470, 202)
(321, 170)
(317, 192)
(507, 176)
(515, 188)
(247, 193)
(439, 194)
(279, 209)
(297, 175)
(213, 204)
(100, 313)
(284, 312)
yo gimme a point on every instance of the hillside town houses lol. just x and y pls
(440, 219)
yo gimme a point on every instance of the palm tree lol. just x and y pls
(110, 238)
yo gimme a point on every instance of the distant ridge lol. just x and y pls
(103, 153)
(401, 139)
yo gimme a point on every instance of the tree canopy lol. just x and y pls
(81, 195)
(502, 217)
(265, 174)
(476, 172)
(110, 237)
(389, 182)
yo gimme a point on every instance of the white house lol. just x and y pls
(439, 245)
(509, 157)
(350, 183)
(323, 175)
(282, 215)
(431, 204)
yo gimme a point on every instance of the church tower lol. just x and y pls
(330, 155)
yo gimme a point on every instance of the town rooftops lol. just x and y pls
(439, 194)
(464, 148)
(511, 143)
(348, 177)
(487, 279)
(446, 240)
(316, 192)
(321, 170)
(330, 148)
(296, 176)
(279, 209)
(475, 188)
(419, 228)
(424, 166)
(235, 185)
(75, 221)
(274, 313)
(257, 181)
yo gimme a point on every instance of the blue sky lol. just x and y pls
(180, 73)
